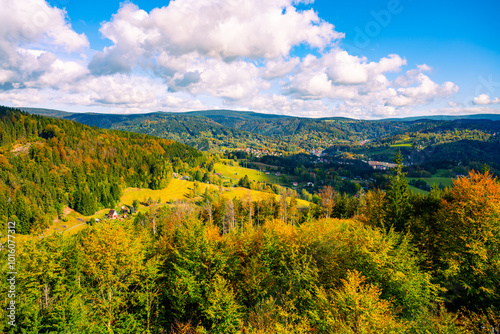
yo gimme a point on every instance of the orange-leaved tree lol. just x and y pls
(470, 242)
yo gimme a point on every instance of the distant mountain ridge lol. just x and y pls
(217, 113)
(218, 130)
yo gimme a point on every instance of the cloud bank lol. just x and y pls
(196, 54)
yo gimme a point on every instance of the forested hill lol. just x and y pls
(382, 261)
(230, 122)
(216, 130)
(197, 131)
(49, 163)
(213, 130)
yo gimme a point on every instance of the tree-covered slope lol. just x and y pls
(199, 132)
(48, 163)
(216, 130)
(213, 130)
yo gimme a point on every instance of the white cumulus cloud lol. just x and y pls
(31, 32)
(338, 75)
(224, 29)
(484, 99)
(423, 91)
(31, 21)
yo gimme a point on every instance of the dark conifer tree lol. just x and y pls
(397, 205)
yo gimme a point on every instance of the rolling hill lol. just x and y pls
(213, 130)
(452, 138)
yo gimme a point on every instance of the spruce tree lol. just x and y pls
(397, 205)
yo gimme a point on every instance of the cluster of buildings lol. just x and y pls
(181, 177)
(381, 165)
(269, 173)
(113, 214)
(316, 152)
(258, 152)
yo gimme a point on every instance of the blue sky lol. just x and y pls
(360, 59)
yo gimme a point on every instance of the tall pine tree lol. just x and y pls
(397, 206)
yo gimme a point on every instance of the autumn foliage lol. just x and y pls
(470, 240)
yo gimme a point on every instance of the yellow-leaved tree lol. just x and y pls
(470, 242)
(113, 259)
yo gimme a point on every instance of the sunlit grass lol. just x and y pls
(418, 190)
(434, 181)
(235, 173)
(176, 190)
(401, 145)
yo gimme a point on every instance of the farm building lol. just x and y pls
(113, 214)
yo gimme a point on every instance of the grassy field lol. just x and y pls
(401, 145)
(180, 189)
(432, 181)
(257, 195)
(176, 190)
(235, 173)
(435, 181)
(417, 190)
(265, 166)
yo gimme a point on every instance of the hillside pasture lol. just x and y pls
(181, 189)
(402, 145)
(235, 173)
(176, 190)
(266, 166)
(418, 190)
(435, 181)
